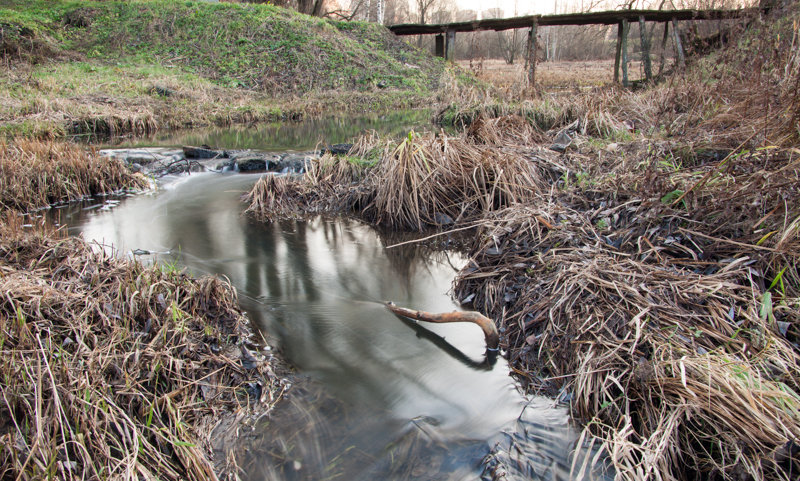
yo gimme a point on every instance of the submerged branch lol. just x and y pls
(486, 324)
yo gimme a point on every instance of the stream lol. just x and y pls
(375, 396)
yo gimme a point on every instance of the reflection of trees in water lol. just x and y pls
(280, 136)
(312, 317)
(348, 238)
(407, 259)
(191, 233)
(262, 278)
(293, 233)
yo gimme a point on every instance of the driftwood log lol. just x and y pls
(486, 324)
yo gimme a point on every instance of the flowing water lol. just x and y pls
(377, 396)
(281, 136)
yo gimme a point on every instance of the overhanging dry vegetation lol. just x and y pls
(114, 370)
(660, 284)
(424, 180)
(35, 174)
(674, 329)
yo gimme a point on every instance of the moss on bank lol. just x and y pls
(119, 67)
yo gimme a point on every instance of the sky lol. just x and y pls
(523, 7)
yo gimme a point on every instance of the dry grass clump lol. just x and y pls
(709, 204)
(502, 130)
(681, 367)
(138, 124)
(276, 197)
(36, 174)
(667, 299)
(430, 179)
(425, 180)
(112, 369)
(608, 112)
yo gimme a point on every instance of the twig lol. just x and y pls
(729, 241)
(414, 241)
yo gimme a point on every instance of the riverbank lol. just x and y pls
(146, 359)
(638, 250)
(657, 292)
(112, 68)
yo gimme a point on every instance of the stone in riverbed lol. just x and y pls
(561, 142)
(203, 152)
(250, 161)
(144, 156)
(294, 162)
(337, 149)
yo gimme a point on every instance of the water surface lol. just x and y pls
(283, 136)
(385, 398)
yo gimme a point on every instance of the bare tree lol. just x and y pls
(424, 9)
(511, 43)
(310, 7)
(396, 11)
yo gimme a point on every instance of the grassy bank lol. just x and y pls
(120, 67)
(648, 273)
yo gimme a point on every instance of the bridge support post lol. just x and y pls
(626, 28)
(439, 45)
(617, 55)
(621, 59)
(450, 45)
(648, 67)
(663, 49)
(532, 54)
(678, 46)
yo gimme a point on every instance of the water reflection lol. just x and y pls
(396, 400)
(282, 136)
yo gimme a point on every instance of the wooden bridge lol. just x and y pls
(446, 32)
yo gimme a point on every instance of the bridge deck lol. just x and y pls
(593, 18)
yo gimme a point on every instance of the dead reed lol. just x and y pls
(503, 130)
(424, 180)
(35, 174)
(115, 370)
(666, 300)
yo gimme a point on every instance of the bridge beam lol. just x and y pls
(591, 18)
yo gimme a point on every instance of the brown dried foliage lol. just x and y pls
(35, 174)
(425, 180)
(111, 369)
(664, 321)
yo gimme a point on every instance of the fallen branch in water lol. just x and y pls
(486, 324)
